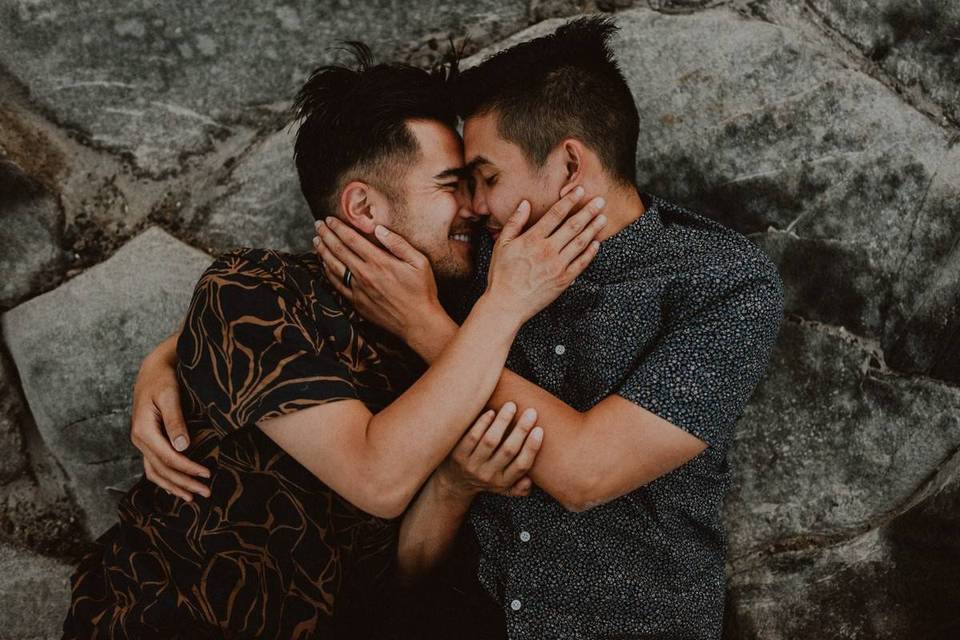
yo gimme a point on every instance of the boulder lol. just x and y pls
(31, 228)
(894, 580)
(34, 594)
(78, 349)
(832, 440)
(261, 205)
(160, 81)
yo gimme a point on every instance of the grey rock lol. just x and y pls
(915, 41)
(922, 333)
(831, 440)
(777, 131)
(262, 205)
(12, 414)
(31, 228)
(34, 595)
(157, 81)
(78, 349)
(895, 580)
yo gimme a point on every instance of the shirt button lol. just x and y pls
(559, 349)
(515, 605)
(524, 536)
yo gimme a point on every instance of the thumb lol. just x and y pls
(400, 248)
(173, 422)
(515, 224)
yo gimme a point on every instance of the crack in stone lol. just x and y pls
(920, 209)
(864, 65)
(947, 472)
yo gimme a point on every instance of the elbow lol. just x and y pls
(580, 495)
(386, 497)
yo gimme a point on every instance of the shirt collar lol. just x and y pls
(626, 248)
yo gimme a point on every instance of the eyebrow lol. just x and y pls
(452, 172)
(476, 163)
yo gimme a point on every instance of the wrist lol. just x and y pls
(429, 338)
(498, 316)
(448, 488)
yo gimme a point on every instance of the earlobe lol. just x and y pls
(573, 166)
(357, 207)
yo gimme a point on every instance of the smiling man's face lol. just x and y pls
(503, 176)
(436, 217)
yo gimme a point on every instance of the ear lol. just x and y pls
(358, 206)
(572, 157)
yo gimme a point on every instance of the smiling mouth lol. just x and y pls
(460, 237)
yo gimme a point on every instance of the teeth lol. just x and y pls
(462, 237)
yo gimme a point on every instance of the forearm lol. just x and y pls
(429, 528)
(166, 351)
(559, 469)
(408, 439)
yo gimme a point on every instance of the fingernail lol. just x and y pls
(601, 219)
(381, 231)
(578, 191)
(537, 434)
(509, 406)
(524, 206)
(317, 224)
(600, 202)
(316, 241)
(332, 222)
(529, 414)
(205, 473)
(180, 443)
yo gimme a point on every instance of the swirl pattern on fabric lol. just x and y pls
(274, 552)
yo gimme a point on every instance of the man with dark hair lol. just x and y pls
(316, 428)
(639, 371)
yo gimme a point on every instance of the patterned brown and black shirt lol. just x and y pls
(274, 552)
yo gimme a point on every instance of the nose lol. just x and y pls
(480, 203)
(465, 204)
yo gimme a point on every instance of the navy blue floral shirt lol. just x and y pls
(678, 314)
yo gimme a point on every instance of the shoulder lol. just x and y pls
(715, 261)
(269, 273)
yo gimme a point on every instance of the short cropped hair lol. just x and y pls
(353, 125)
(566, 84)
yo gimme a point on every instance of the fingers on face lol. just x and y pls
(353, 242)
(584, 224)
(515, 223)
(582, 241)
(557, 213)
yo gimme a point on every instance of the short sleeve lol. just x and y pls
(703, 368)
(249, 350)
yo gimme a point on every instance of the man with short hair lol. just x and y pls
(316, 428)
(639, 371)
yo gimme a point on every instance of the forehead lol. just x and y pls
(483, 144)
(440, 147)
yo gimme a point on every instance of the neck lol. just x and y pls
(623, 207)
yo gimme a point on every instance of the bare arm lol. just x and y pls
(157, 426)
(379, 462)
(489, 457)
(594, 456)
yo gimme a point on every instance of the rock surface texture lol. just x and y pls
(137, 139)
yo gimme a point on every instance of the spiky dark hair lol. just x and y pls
(353, 124)
(565, 84)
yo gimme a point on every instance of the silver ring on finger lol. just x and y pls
(347, 277)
